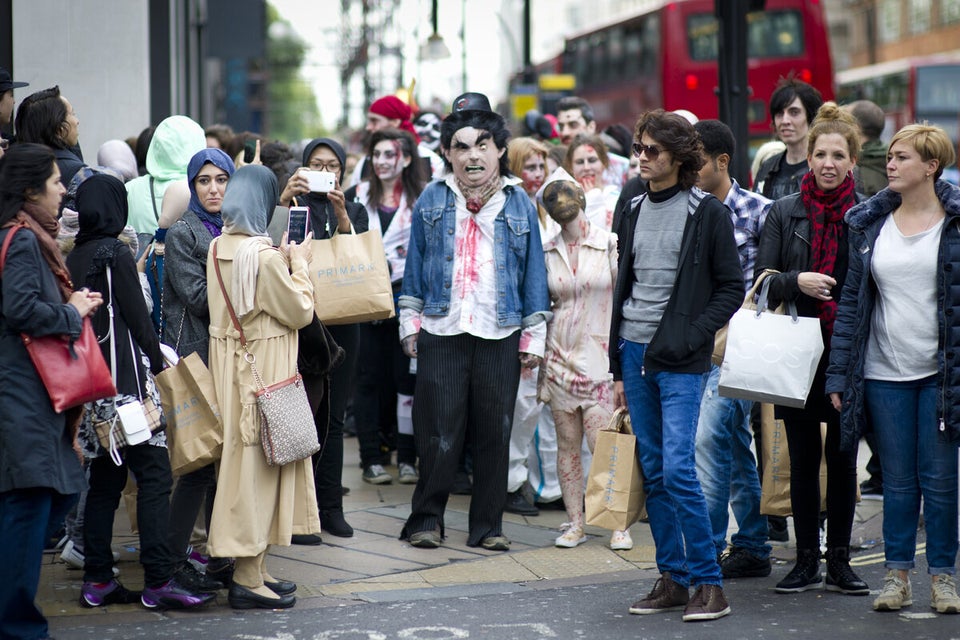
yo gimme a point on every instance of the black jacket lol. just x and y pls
(771, 183)
(707, 291)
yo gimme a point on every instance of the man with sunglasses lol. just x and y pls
(679, 281)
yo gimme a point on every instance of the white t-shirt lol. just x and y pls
(903, 329)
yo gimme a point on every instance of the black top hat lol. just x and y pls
(7, 83)
(471, 102)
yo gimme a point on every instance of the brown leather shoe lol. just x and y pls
(707, 603)
(666, 595)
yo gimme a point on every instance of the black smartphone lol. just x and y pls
(249, 150)
(298, 224)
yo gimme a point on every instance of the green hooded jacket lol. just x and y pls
(174, 142)
(870, 174)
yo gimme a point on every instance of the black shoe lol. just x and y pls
(871, 489)
(221, 569)
(517, 504)
(840, 577)
(740, 563)
(777, 527)
(553, 505)
(188, 576)
(281, 587)
(344, 490)
(332, 522)
(462, 485)
(242, 598)
(306, 539)
(805, 574)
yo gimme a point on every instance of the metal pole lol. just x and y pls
(733, 90)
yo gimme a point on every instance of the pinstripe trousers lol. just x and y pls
(465, 393)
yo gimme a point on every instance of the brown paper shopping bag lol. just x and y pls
(351, 281)
(615, 496)
(775, 484)
(194, 427)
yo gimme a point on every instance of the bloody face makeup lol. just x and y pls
(388, 160)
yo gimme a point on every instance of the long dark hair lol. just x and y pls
(24, 170)
(40, 117)
(413, 177)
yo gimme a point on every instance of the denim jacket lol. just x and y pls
(522, 297)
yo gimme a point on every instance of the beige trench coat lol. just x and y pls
(257, 505)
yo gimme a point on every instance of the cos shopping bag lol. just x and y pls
(615, 497)
(351, 282)
(770, 357)
(720, 340)
(194, 427)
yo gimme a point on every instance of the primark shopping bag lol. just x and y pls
(615, 497)
(351, 281)
(194, 427)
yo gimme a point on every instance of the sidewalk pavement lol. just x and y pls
(375, 566)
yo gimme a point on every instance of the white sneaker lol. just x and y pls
(944, 594)
(74, 559)
(621, 541)
(571, 536)
(407, 474)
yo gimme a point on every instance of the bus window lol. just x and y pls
(938, 89)
(775, 34)
(770, 34)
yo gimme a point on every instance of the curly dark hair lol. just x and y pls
(678, 138)
(484, 120)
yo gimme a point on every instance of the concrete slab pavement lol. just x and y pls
(375, 566)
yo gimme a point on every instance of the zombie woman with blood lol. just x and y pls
(384, 379)
(587, 161)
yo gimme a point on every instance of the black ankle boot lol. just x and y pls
(840, 577)
(332, 522)
(804, 575)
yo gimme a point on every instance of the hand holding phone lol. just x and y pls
(298, 224)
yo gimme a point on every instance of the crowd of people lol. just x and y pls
(540, 282)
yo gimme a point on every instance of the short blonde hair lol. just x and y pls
(930, 141)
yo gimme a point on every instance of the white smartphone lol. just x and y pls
(298, 224)
(321, 181)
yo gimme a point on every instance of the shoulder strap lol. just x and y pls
(233, 314)
(6, 245)
(153, 201)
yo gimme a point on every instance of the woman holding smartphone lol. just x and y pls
(330, 213)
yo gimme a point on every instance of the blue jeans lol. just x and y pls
(25, 515)
(727, 470)
(917, 466)
(664, 408)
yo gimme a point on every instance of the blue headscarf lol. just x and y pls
(220, 160)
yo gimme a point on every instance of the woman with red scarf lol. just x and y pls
(805, 239)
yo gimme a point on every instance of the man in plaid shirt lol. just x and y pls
(725, 465)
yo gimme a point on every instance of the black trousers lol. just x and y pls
(192, 491)
(383, 371)
(466, 390)
(328, 462)
(150, 466)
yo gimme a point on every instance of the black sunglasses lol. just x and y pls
(652, 151)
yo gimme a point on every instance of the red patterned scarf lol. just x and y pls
(825, 210)
(46, 228)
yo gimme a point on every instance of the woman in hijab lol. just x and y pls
(329, 213)
(256, 505)
(40, 474)
(118, 155)
(102, 262)
(186, 318)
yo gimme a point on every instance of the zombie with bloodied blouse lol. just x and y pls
(473, 311)
(384, 380)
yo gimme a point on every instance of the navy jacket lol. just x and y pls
(855, 309)
(707, 291)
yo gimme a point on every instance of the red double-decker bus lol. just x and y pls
(667, 57)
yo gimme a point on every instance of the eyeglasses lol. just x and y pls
(332, 167)
(652, 151)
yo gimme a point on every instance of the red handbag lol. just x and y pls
(73, 371)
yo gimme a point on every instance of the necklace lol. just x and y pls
(932, 218)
